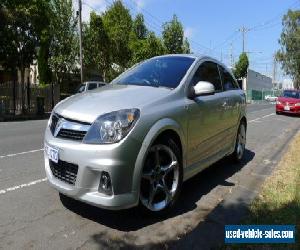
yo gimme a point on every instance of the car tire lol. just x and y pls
(278, 113)
(240, 143)
(164, 161)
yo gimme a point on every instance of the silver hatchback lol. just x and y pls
(136, 140)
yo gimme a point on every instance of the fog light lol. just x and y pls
(105, 184)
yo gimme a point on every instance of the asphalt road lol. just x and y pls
(34, 216)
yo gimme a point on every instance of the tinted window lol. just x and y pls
(228, 82)
(92, 86)
(163, 71)
(208, 72)
(81, 88)
(291, 94)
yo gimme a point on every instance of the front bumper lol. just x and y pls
(119, 160)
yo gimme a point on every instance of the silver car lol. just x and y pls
(136, 140)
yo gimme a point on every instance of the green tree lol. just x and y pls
(289, 54)
(118, 25)
(97, 51)
(143, 49)
(186, 47)
(18, 39)
(64, 46)
(173, 36)
(41, 15)
(139, 28)
(241, 67)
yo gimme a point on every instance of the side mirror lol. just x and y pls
(203, 88)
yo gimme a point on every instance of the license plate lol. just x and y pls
(52, 153)
(286, 108)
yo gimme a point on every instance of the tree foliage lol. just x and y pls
(241, 67)
(289, 54)
(186, 47)
(143, 44)
(112, 41)
(96, 46)
(139, 28)
(173, 37)
(18, 37)
(64, 46)
(118, 23)
(41, 15)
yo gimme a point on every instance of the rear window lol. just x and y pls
(291, 94)
(92, 86)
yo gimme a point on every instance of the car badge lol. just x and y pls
(59, 125)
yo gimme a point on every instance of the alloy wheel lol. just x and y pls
(241, 142)
(160, 178)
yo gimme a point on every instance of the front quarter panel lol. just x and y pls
(159, 127)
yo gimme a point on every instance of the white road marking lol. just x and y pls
(22, 153)
(257, 119)
(268, 115)
(4, 191)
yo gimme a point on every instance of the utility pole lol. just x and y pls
(80, 39)
(244, 30)
(231, 55)
(274, 68)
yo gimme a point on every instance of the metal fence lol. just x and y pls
(259, 95)
(16, 98)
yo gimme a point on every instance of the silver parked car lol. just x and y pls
(136, 140)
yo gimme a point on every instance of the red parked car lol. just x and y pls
(289, 102)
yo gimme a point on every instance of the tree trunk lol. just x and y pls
(23, 89)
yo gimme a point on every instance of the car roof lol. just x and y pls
(94, 82)
(194, 56)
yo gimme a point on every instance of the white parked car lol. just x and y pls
(89, 86)
(271, 98)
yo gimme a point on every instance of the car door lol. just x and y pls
(233, 96)
(205, 117)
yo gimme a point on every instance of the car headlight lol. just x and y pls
(50, 120)
(112, 127)
(278, 102)
(297, 104)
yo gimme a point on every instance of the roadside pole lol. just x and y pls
(80, 39)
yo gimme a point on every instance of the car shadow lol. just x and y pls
(133, 219)
(289, 115)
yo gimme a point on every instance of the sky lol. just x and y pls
(212, 27)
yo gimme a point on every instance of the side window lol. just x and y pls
(92, 86)
(228, 82)
(208, 72)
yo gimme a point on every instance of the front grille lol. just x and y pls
(68, 128)
(64, 171)
(54, 121)
(71, 134)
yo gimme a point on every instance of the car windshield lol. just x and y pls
(291, 94)
(157, 72)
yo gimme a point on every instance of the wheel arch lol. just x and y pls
(244, 120)
(163, 127)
